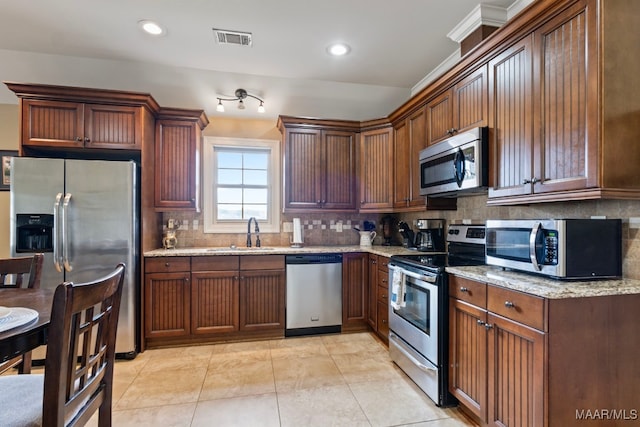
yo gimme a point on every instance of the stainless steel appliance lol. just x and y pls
(455, 166)
(83, 214)
(418, 313)
(430, 235)
(314, 294)
(559, 248)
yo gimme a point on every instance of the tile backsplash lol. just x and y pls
(338, 228)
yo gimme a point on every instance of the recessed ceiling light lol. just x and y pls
(338, 49)
(151, 27)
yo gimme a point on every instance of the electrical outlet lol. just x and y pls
(339, 227)
(171, 224)
(195, 224)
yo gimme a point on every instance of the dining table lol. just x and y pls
(23, 338)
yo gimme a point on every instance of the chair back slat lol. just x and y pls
(81, 350)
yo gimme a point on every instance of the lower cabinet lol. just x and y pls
(355, 273)
(378, 296)
(517, 359)
(188, 299)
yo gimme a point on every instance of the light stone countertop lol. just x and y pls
(280, 250)
(546, 287)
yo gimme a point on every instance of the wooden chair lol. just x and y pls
(12, 275)
(78, 373)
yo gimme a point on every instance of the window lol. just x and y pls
(241, 180)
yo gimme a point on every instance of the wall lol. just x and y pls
(8, 141)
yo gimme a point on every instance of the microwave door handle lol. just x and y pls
(532, 245)
(56, 233)
(459, 167)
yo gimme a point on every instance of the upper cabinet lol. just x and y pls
(177, 159)
(319, 164)
(63, 118)
(565, 109)
(376, 169)
(462, 106)
(409, 138)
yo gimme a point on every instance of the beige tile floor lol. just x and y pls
(331, 380)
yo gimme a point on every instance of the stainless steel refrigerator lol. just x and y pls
(83, 214)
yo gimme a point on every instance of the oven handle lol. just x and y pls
(430, 279)
(409, 356)
(532, 245)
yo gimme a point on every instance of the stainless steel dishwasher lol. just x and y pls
(314, 294)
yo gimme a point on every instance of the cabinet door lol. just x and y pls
(372, 309)
(510, 86)
(565, 70)
(215, 302)
(440, 117)
(113, 127)
(176, 169)
(303, 169)
(339, 190)
(167, 306)
(376, 170)
(515, 374)
(262, 297)
(468, 356)
(417, 123)
(383, 321)
(402, 159)
(52, 123)
(470, 101)
(355, 279)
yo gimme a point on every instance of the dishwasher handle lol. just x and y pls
(313, 259)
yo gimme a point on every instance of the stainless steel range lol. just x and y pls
(418, 311)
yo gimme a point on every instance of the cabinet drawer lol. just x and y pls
(262, 262)
(383, 294)
(383, 263)
(518, 306)
(167, 264)
(215, 263)
(383, 279)
(468, 290)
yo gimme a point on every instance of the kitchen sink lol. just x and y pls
(229, 249)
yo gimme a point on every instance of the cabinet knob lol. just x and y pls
(526, 181)
(384, 280)
(166, 264)
(384, 296)
(362, 202)
(535, 180)
(318, 202)
(384, 321)
(79, 139)
(463, 289)
(86, 139)
(488, 326)
(509, 304)
(236, 278)
(479, 322)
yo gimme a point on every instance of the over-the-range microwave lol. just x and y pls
(559, 248)
(455, 166)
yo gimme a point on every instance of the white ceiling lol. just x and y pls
(92, 43)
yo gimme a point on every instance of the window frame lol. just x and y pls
(211, 225)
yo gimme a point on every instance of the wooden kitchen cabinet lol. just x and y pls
(167, 297)
(563, 111)
(355, 291)
(517, 359)
(496, 365)
(409, 137)
(382, 300)
(319, 164)
(68, 118)
(215, 295)
(461, 107)
(376, 170)
(372, 305)
(177, 159)
(262, 293)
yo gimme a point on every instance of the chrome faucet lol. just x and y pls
(257, 231)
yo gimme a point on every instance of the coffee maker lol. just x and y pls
(430, 236)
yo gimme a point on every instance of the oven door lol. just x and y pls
(417, 322)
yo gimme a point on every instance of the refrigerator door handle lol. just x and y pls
(56, 234)
(65, 236)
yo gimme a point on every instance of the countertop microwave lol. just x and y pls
(456, 165)
(558, 248)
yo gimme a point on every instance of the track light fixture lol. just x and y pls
(241, 95)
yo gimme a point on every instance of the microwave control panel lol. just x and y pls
(550, 247)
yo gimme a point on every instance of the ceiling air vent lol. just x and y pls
(232, 37)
